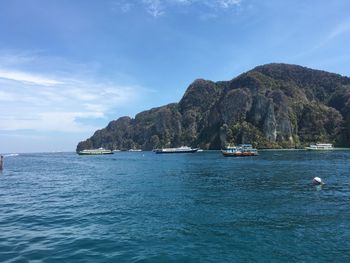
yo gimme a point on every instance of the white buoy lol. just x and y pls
(317, 181)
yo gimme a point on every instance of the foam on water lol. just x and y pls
(11, 155)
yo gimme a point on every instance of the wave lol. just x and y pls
(11, 155)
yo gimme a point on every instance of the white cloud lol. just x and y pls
(157, 8)
(7, 97)
(212, 3)
(58, 108)
(337, 31)
(183, 2)
(27, 78)
(228, 3)
(340, 29)
(154, 7)
(49, 102)
(48, 121)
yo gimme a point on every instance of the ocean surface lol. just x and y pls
(203, 207)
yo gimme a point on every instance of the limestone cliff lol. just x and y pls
(271, 106)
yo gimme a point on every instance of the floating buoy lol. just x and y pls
(317, 181)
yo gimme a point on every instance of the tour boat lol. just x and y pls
(95, 152)
(320, 147)
(182, 149)
(241, 150)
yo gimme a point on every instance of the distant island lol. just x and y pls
(270, 106)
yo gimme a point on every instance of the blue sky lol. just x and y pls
(68, 67)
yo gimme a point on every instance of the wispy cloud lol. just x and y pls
(228, 3)
(340, 29)
(45, 102)
(61, 121)
(154, 7)
(11, 58)
(212, 3)
(28, 78)
(158, 8)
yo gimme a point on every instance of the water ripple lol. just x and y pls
(142, 207)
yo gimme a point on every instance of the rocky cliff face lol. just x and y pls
(271, 106)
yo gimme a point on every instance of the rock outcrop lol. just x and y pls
(271, 106)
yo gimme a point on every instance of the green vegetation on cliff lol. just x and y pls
(271, 106)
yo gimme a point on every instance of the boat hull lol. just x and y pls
(319, 149)
(239, 154)
(95, 152)
(175, 151)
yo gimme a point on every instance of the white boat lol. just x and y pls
(320, 147)
(241, 150)
(182, 149)
(134, 150)
(95, 152)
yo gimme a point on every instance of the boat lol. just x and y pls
(99, 151)
(182, 149)
(320, 147)
(241, 150)
(134, 150)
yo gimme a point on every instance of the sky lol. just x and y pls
(68, 67)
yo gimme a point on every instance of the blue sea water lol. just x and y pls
(203, 207)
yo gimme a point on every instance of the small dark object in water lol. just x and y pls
(1, 162)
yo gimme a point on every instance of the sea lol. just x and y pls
(202, 207)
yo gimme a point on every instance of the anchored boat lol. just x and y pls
(241, 150)
(320, 147)
(182, 149)
(95, 152)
